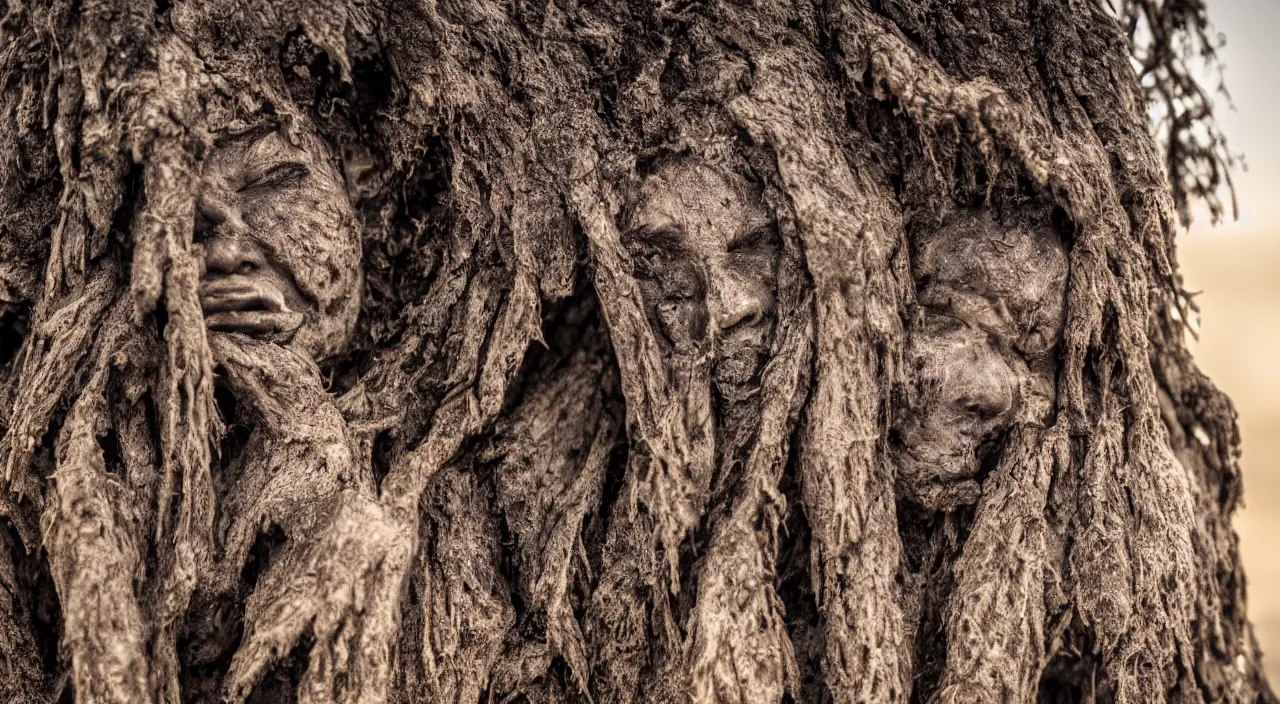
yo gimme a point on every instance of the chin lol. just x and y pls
(737, 379)
(940, 476)
(737, 369)
(736, 393)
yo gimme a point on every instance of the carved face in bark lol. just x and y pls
(706, 257)
(281, 248)
(980, 352)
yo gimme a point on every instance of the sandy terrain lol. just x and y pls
(1239, 348)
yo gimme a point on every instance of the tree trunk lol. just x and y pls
(457, 351)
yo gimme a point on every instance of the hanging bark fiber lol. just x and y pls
(459, 351)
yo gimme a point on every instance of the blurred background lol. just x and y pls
(1236, 266)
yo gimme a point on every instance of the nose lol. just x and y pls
(227, 248)
(227, 254)
(743, 302)
(217, 213)
(979, 385)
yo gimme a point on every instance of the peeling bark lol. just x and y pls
(650, 314)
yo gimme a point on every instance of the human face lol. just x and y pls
(980, 351)
(281, 248)
(706, 254)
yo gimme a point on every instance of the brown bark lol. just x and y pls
(595, 437)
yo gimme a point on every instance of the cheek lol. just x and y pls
(959, 378)
(683, 323)
(311, 232)
(676, 302)
(930, 348)
(933, 339)
(1038, 386)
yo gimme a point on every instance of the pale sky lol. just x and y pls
(1237, 267)
(1252, 59)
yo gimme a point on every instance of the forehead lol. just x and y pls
(692, 196)
(1023, 261)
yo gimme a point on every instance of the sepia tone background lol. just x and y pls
(1236, 266)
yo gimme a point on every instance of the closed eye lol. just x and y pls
(990, 315)
(652, 249)
(289, 174)
(753, 240)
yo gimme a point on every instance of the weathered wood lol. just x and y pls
(459, 351)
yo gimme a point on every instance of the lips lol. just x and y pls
(240, 304)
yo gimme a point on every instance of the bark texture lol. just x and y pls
(558, 457)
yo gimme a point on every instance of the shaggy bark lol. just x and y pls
(535, 470)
